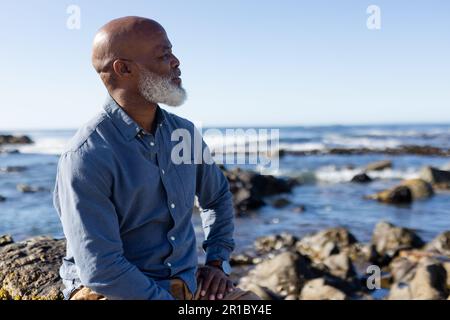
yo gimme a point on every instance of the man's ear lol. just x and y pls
(121, 68)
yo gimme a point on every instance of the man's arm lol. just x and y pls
(91, 226)
(215, 199)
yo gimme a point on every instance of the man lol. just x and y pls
(124, 205)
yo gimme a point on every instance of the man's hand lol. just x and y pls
(213, 282)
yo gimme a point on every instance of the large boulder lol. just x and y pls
(428, 283)
(275, 242)
(30, 269)
(438, 178)
(249, 188)
(389, 239)
(325, 243)
(285, 274)
(406, 192)
(319, 289)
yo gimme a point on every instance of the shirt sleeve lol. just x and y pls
(217, 215)
(91, 226)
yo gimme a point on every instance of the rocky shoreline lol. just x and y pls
(328, 265)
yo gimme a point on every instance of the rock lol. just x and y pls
(5, 239)
(428, 281)
(420, 189)
(263, 292)
(406, 192)
(361, 178)
(11, 169)
(2, 198)
(30, 269)
(299, 208)
(242, 259)
(440, 244)
(281, 203)
(10, 139)
(379, 165)
(438, 178)
(275, 242)
(402, 269)
(29, 189)
(397, 195)
(325, 243)
(389, 239)
(249, 188)
(340, 265)
(318, 289)
(285, 274)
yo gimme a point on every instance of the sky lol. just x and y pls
(243, 63)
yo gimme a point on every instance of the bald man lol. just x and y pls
(124, 204)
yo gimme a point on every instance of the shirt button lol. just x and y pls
(172, 205)
(172, 238)
(163, 171)
(169, 264)
(160, 124)
(152, 144)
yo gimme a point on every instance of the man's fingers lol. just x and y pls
(222, 288)
(213, 287)
(207, 279)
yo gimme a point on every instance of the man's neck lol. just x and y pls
(139, 109)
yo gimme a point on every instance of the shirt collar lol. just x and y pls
(127, 126)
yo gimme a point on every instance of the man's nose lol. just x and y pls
(175, 63)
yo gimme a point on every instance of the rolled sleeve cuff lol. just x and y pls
(217, 252)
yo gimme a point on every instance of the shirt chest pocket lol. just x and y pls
(186, 176)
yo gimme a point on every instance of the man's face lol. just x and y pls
(158, 72)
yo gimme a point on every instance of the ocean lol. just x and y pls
(327, 194)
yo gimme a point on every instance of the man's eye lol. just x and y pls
(165, 57)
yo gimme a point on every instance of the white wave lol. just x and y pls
(307, 146)
(354, 142)
(332, 174)
(44, 146)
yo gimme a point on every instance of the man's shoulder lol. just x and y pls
(88, 139)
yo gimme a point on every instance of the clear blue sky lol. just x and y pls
(243, 62)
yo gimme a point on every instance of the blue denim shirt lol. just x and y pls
(126, 208)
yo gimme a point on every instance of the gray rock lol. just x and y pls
(285, 274)
(389, 239)
(28, 189)
(10, 139)
(440, 244)
(361, 178)
(281, 202)
(379, 165)
(29, 270)
(438, 178)
(275, 242)
(11, 169)
(325, 243)
(406, 192)
(319, 289)
(340, 265)
(2, 198)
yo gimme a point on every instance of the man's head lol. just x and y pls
(134, 55)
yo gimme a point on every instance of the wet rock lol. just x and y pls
(440, 244)
(420, 189)
(11, 169)
(263, 292)
(285, 274)
(402, 269)
(429, 283)
(319, 289)
(249, 188)
(397, 195)
(242, 259)
(361, 178)
(275, 242)
(10, 139)
(25, 188)
(30, 269)
(406, 192)
(5, 239)
(325, 243)
(389, 239)
(299, 208)
(2, 198)
(438, 178)
(281, 203)
(379, 165)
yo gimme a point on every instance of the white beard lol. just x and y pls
(157, 89)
